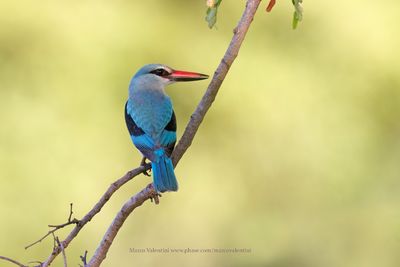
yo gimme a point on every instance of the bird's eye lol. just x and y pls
(160, 72)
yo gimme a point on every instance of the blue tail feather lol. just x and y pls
(163, 174)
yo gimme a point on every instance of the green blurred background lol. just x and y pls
(297, 160)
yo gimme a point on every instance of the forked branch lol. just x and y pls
(190, 131)
(184, 143)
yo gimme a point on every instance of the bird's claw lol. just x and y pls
(156, 198)
(143, 163)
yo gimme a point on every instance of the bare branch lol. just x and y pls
(219, 76)
(190, 131)
(70, 212)
(83, 259)
(62, 249)
(134, 202)
(184, 143)
(56, 227)
(13, 261)
(96, 209)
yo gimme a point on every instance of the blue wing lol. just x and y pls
(151, 110)
(145, 143)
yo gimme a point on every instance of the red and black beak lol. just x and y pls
(186, 76)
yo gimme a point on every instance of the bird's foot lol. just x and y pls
(156, 197)
(143, 163)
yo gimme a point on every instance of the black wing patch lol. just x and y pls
(132, 127)
(171, 126)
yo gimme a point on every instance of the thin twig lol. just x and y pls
(56, 228)
(96, 209)
(70, 212)
(190, 131)
(62, 250)
(13, 261)
(84, 259)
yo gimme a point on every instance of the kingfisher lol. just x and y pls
(151, 121)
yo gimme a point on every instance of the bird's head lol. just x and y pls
(164, 75)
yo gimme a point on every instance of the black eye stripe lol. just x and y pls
(160, 72)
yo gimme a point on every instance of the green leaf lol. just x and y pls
(212, 10)
(298, 13)
(295, 21)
